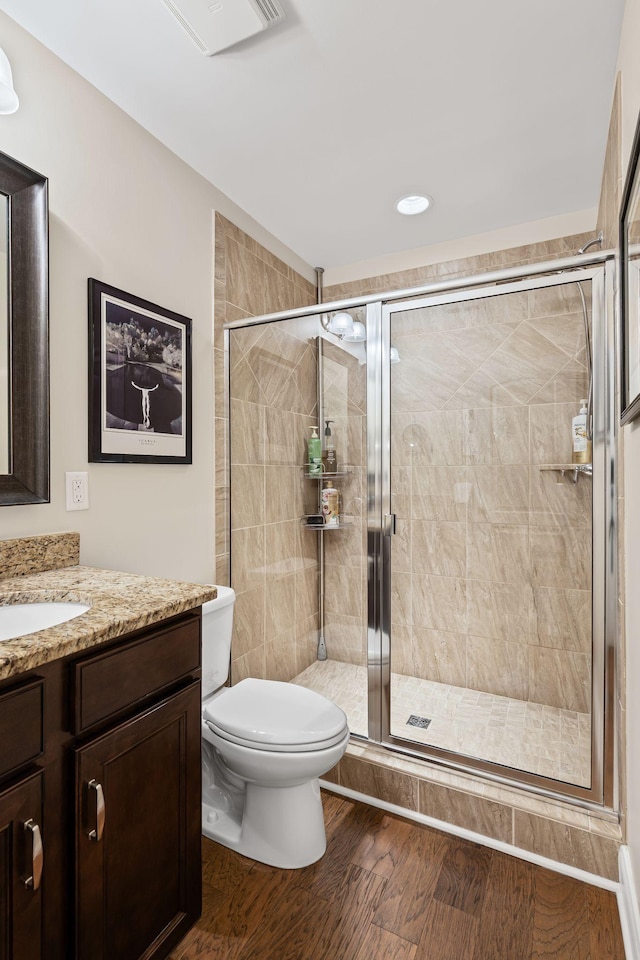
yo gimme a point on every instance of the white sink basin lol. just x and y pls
(18, 619)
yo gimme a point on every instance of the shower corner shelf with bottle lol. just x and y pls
(341, 474)
(323, 467)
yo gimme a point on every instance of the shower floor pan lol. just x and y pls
(534, 737)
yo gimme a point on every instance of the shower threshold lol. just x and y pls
(543, 740)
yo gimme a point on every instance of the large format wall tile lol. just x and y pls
(498, 610)
(471, 812)
(498, 551)
(565, 843)
(498, 667)
(429, 439)
(561, 618)
(438, 548)
(437, 655)
(248, 503)
(561, 557)
(248, 621)
(437, 493)
(438, 603)
(375, 780)
(497, 435)
(499, 495)
(557, 500)
(525, 362)
(551, 439)
(560, 678)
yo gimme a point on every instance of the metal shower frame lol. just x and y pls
(599, 268)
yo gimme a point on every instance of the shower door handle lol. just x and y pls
(389, 524)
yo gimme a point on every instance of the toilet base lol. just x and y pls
(280, 826)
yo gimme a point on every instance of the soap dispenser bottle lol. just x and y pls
(329, 460)
(330, 505)
(314, 458)
(581, 445)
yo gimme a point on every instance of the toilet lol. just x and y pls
(264, 745)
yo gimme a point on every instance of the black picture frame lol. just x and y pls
(629, 239)
(139, 379)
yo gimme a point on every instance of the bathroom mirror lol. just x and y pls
(24, 335)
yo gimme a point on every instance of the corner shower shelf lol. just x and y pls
(325, 527)
(339, 475)
(586, 469)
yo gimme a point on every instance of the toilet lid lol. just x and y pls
(269, 714)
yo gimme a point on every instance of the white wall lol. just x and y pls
(629, 65)
(125, 210)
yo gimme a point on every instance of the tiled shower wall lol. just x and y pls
(344, 399)
(250, 281)
(457, 615)
(491, 564)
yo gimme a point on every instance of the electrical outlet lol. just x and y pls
(77, 488)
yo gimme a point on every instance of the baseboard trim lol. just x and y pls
(508, 848)
(628, 907)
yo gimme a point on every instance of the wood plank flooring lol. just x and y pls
(390, 889)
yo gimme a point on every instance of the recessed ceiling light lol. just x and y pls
(412, 204)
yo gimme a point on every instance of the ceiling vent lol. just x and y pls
(214, 25)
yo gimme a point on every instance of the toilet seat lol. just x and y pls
(276, 716)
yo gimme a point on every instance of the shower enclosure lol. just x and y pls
(467, 598)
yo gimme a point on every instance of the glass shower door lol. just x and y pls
(492, 649)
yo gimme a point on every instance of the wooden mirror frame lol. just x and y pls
(28, 316)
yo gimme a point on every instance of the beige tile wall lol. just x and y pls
(497, 551)
(344, 399)
(273, 558)
(276, 603)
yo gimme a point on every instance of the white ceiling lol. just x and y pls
(497, 108)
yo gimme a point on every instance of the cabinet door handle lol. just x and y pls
(95, 788)
(37, 855)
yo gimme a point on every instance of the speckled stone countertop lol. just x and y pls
(119, 604)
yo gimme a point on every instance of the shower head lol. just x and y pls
(590, 243)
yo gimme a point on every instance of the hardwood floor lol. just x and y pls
(390, 889)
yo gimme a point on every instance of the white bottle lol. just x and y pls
(330, 502)
(580, 444)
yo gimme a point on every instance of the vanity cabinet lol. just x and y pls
(100, 759)
(138, 832)
(21, 869)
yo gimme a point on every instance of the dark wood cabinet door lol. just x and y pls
(20, 870)
(138, 813)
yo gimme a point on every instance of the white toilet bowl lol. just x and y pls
(265, 743)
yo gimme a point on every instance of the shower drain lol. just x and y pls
(415, 721)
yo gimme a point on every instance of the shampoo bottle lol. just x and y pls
(315, 453)
(330, 504)
(581, 445)
(329, 459)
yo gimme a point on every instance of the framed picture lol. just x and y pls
(630, 287)
(139, 380)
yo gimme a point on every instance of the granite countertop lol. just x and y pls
(119, 604)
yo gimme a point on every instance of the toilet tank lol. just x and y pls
(217, 624)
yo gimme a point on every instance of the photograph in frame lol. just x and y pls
(139, 380)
